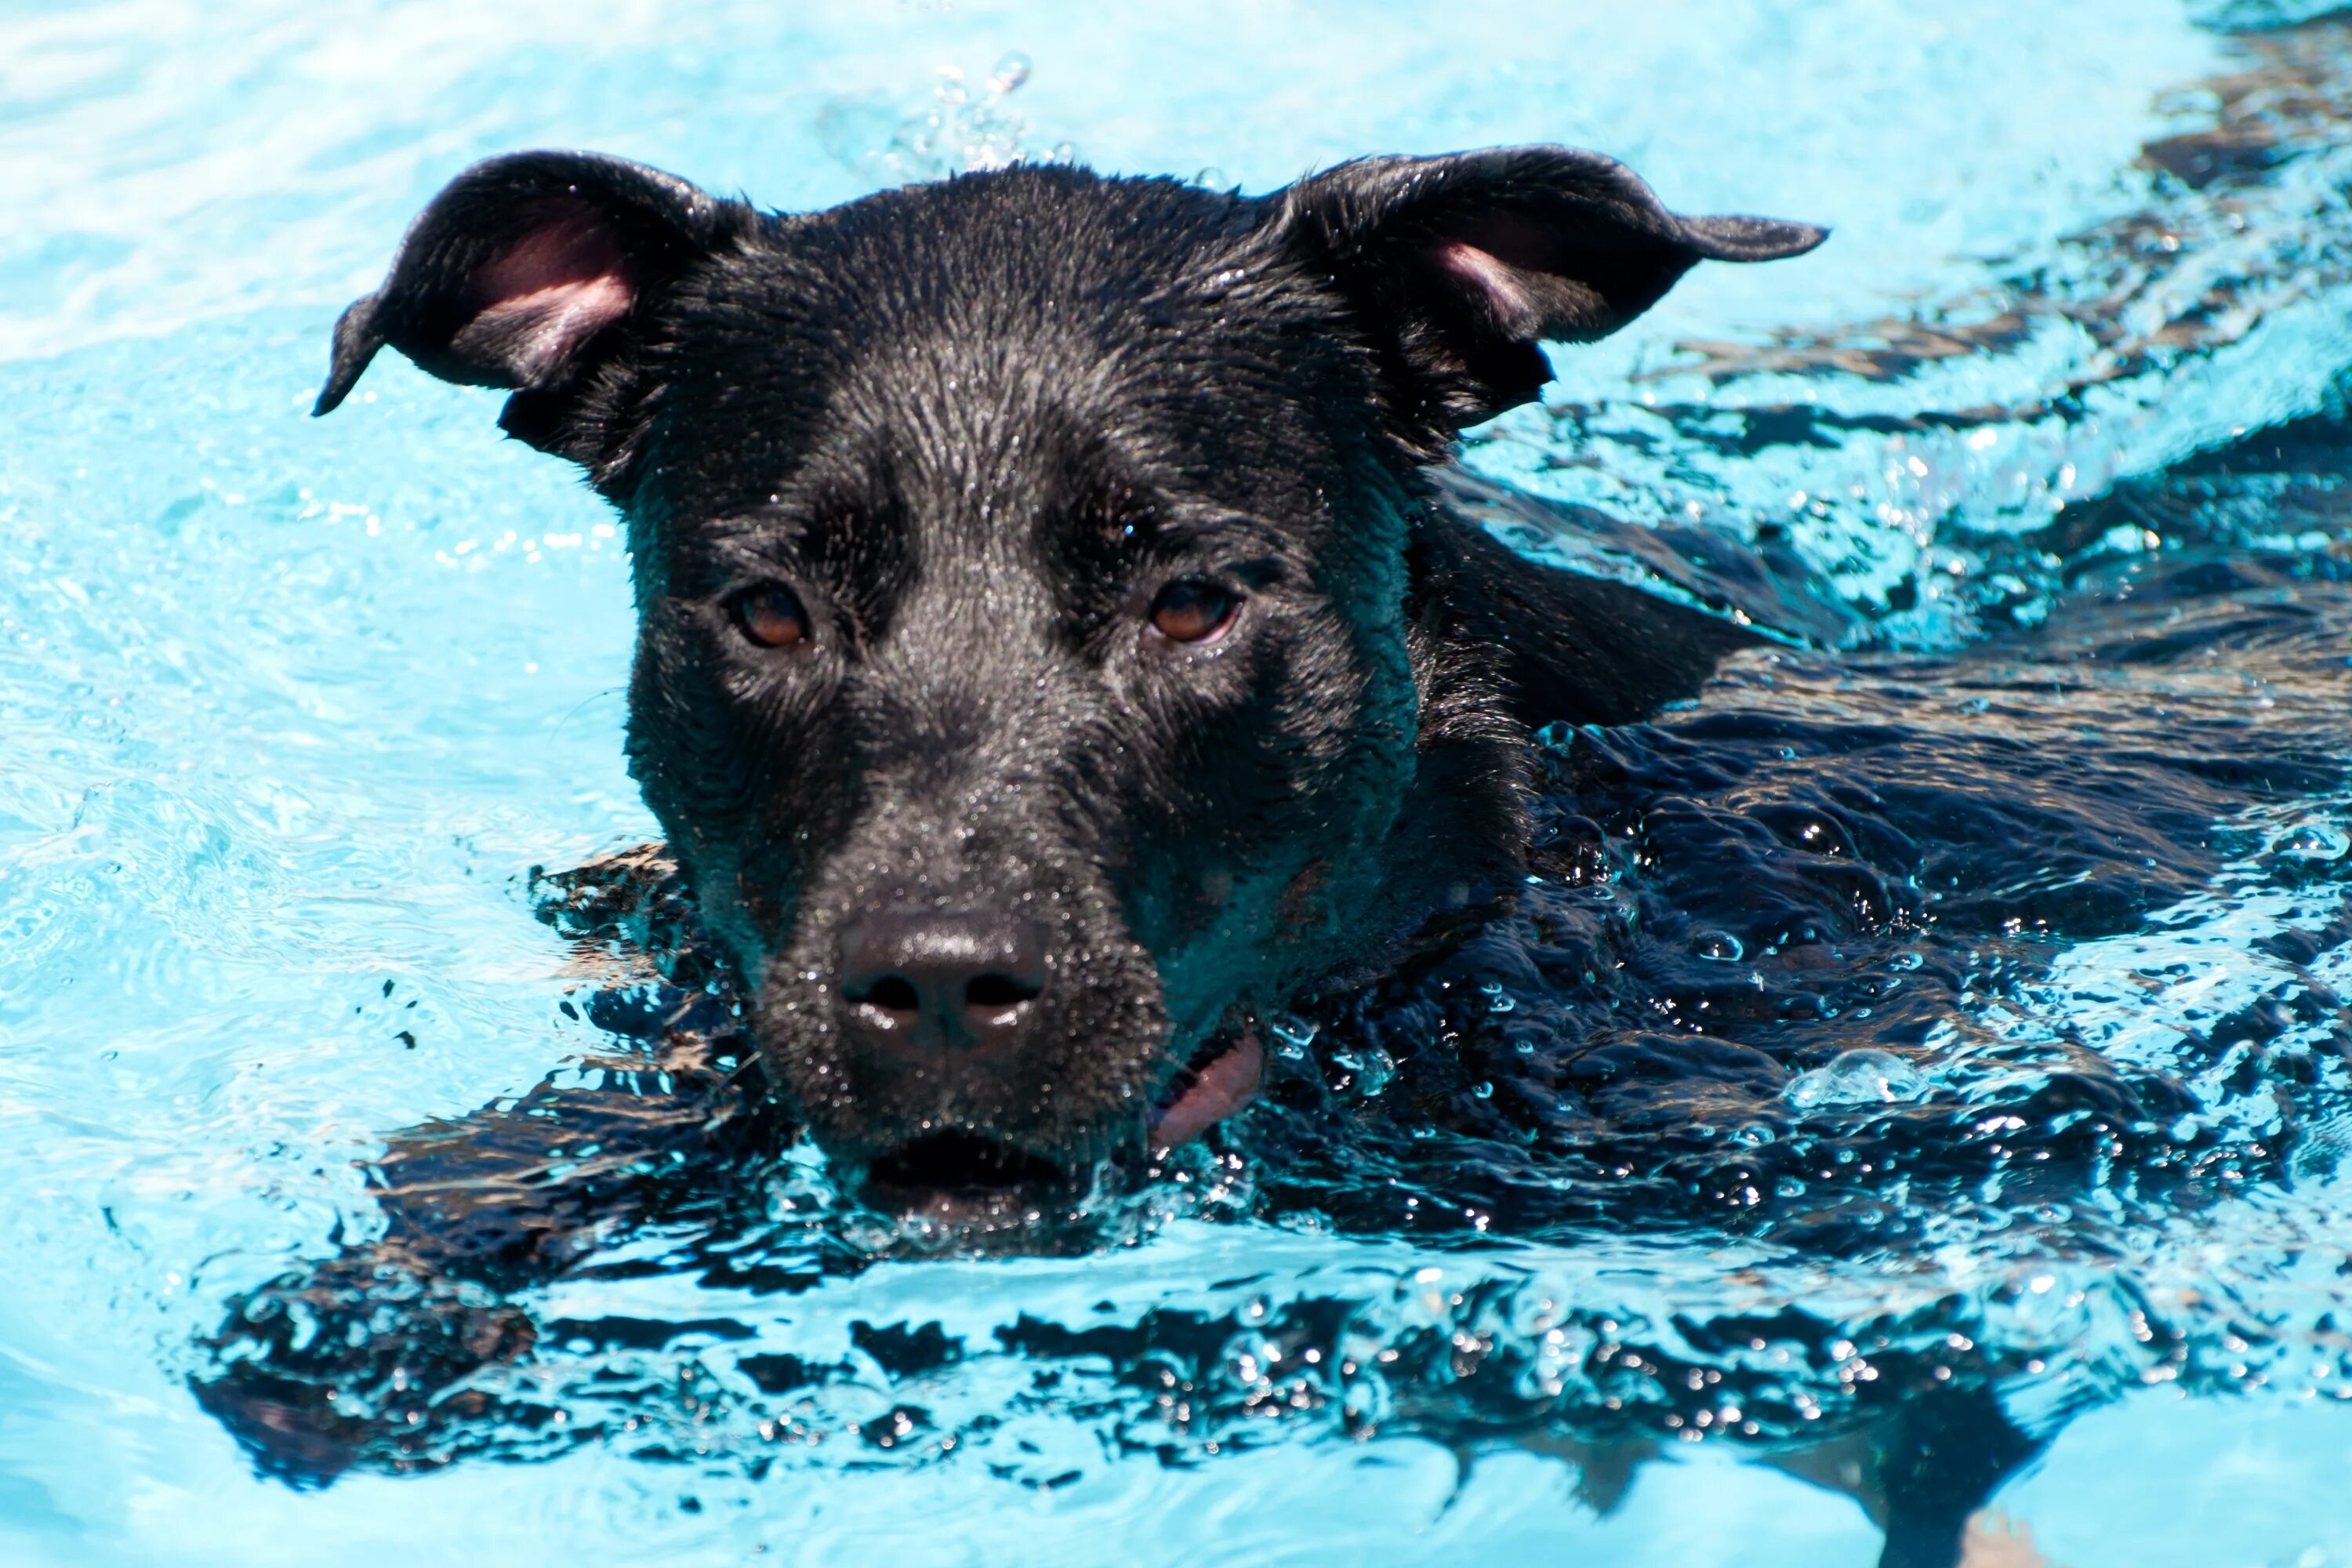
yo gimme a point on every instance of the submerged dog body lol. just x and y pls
(1049, 651)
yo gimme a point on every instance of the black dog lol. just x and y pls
(1051, 650)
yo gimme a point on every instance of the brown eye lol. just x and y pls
(1192, 612)
(772, 616)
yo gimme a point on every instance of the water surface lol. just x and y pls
(1933, 1040)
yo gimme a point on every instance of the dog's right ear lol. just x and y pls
(525, 273)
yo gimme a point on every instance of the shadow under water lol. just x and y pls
(1854, 1079)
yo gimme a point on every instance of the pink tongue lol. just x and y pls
(1222, 1087)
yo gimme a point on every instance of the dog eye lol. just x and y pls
(1189, 611)
(772, 616)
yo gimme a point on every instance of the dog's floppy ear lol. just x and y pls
(524, 273)
(1458, 266)
(1569, 649)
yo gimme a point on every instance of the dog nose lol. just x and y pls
(919, 983)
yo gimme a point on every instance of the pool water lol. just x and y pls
(1903, 1118)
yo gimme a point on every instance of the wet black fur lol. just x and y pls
(976, 426)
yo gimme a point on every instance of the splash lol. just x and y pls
(956, 132)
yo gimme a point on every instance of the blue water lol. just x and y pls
(2041, 461)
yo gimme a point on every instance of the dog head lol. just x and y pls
(1047, 651)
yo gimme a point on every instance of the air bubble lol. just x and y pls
(1857, 1077)
(1721, 946)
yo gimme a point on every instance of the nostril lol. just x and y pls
(997, 992)
(891, 993)
(918, 982)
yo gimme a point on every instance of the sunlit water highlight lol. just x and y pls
(1950, 1011)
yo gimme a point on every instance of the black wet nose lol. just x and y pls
(918, 983)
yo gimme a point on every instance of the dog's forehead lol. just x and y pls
(989, 250)
(1013, 338)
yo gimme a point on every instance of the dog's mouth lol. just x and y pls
(966, 1180)
(967, 1164)
(965, 1177)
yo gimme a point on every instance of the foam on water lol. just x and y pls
(290, 711)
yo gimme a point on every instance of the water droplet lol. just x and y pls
(1292, 1035)
(1373, 1069)
(1010, 73)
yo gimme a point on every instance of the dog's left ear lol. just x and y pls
(1458, 266)
(1569, 648)
(526, 273)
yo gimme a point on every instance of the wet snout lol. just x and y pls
(960, 1006)
(928, 986)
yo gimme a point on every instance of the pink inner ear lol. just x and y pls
(560, 286)
(1504, 290)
